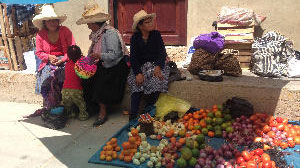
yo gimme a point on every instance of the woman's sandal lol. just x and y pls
(99, 121)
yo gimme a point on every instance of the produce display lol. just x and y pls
(250, 142)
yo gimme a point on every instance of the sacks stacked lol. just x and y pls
(271, 55)
(208, 57)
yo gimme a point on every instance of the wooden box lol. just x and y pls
(239, 38)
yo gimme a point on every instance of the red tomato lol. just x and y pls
(280, 127)
(266, 129)
(240, 160)
(291, 144)
(273, 164)
(243, 164)
(251, 164)
(285, 121)
(284, 145)
(246, 155)
(276, 142)
(271, 134)
(258, 151)
(260, 165)
(279, 119)
(267, 164)
(252, 153)
(273, 123)
(256, 159)
(253, 117)
(265, 157)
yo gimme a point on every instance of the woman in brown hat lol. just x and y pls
(149, 75)
(107, 86)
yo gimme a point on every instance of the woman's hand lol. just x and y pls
(57, 63)
(157, 73)
(96, 55)
(139, 78)
(53, 59)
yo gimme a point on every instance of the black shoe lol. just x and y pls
(99, 121)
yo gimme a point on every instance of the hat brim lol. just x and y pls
(135, 23)
(94, 19)
(38, 22)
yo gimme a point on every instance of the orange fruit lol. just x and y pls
(113, 140)
(127, 159)
(202, 123)
(105, 148)
(284, 145)
(109, 147)
(126, 152)
(291, 144)
(134, 132)
(108, 143)
(297, 140)
(102, 157)
(131, 140)
(114, 155)
(117, 148)
(109, 153)
(108, 158)
(121, 156)
(173, 140)
(126, 145)
(186, 117)
(211, 134)
(191, 127)
(182, 140)
(114, 145)
(102, 152)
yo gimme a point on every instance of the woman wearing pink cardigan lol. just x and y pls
(52, 42)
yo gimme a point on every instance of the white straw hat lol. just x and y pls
(47, 13)
(92, 14)
(140, 16)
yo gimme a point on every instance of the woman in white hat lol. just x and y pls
(149, 75)
(52, 42)
(107, 86)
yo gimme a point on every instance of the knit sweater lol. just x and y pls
(43, 44)
(151, 51)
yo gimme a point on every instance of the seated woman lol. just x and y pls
(107, 86)
(148, 75)
(52, 42)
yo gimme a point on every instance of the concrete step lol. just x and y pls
(280, 97)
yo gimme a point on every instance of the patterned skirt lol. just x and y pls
(151, 84)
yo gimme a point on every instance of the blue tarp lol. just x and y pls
(9, 2)
(121, 135)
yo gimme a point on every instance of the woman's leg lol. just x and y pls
(135, 103)
(102, 116)
(152, 98)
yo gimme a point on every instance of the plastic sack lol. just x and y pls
(212, 42)
(293, 70)
(166, 104)
(236, 16)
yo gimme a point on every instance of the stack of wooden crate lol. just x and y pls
(239, 38)
(14, 40)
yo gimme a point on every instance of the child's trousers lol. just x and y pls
(72, 97)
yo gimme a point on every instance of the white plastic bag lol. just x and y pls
(293, 70)
(238, 16)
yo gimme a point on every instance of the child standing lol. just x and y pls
(72, 93)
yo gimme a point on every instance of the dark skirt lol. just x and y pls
(107, 85)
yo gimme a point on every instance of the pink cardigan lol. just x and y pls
(43, 44)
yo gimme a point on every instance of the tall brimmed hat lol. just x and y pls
(92, 14)
(140, 16)
(47, 13)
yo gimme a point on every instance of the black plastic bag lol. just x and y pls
(238, 106)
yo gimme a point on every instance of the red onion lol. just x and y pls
(241, 141)
(203, 155)
(208, 162)
(209, 149)
(201, 162)
(220, 166)
(210, 157)
(238, 119)
(220, 160)
(197, 166)
(230, 135)
(228, 154)
(220, 152)
(243, 117)
(224, 134)
(225, 147)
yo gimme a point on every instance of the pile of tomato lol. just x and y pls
(255, 159)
